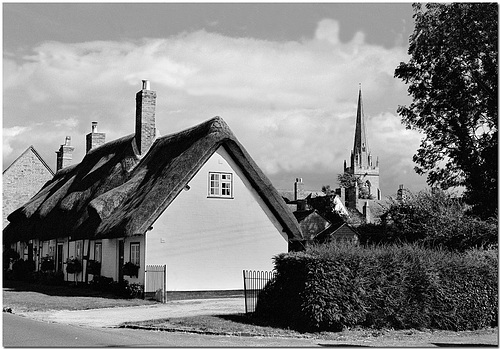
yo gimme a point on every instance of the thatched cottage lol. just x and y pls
(193, 200)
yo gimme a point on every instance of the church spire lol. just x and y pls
(360, 143)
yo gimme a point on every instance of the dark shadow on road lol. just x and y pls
(472, 345)
(66, 290)
(331, 345)
(70, 289)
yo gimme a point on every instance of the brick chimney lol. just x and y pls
(94, 138)
(145, 126)
(298, 189)
(65, 154)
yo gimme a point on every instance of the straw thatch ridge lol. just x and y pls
(115, 193)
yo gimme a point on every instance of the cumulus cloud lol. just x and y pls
(292, 104)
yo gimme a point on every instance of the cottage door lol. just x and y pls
(120, 259)
(59, 257)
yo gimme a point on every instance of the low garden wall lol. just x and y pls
(332, 287)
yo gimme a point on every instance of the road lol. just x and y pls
(19, 331)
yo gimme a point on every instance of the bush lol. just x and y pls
(130, 269)
(47, 264)
(73, 266)
(94, 267)
(50, 277)
(9, 255)
(121, 289)
(436, 219)
(332, 287)
(23, 270)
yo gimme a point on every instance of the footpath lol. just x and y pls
(113, 317)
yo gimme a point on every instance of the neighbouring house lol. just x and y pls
(317, 228)
(22, 179)
(194, 201)
(340, 232)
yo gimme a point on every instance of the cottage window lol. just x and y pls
(220, 185)
(78, 249)
(134, 253)
(98, 252)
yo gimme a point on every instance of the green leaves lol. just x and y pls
(332, 287)
(452, 76)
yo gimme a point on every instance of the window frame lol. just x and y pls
(221, 185)
(98, 244)
(138, 244)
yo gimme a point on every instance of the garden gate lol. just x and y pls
(253, 283)
(155, 286)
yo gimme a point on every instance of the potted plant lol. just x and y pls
(94, 267)
(130, 269)
(73, 265)
(47, 264)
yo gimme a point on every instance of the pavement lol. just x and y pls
(113, 317)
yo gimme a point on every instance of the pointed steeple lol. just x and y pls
(362, 165)
(361, 156)
(360, 143)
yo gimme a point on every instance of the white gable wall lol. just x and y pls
(205, 242)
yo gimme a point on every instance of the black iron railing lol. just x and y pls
(254, 282)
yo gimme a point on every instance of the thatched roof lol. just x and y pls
(115, 193)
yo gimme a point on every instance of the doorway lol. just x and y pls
(121, 248)
(59, 257)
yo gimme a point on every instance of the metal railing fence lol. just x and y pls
(254, 282)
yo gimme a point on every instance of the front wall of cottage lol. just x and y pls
(206, 242)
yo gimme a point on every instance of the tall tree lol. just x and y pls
(453, 78)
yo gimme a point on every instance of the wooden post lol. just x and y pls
(165, 283)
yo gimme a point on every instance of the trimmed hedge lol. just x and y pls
(332, 287)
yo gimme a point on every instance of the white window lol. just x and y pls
(98, 252)
(221, 185)
(134, 253)
(78, 249)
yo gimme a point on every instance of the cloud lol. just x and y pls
(9, 135)
(292, 104)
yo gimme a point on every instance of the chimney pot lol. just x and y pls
(95, 139)
(145, 85)
(64, 154)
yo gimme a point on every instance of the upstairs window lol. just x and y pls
(220, 185)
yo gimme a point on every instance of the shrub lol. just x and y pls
(23, 270)
(73, 266)
(436, 219)
(93, 267)
(47, 264)
(121, 289)
(332, 287)
(9, 255)
(130, 269)
(50, 277)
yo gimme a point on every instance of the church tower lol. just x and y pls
(362, 166)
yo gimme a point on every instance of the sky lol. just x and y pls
(284, 76)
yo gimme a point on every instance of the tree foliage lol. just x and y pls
(453, 79)
(349, 180)
(435, 219)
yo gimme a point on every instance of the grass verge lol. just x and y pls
(244, 325)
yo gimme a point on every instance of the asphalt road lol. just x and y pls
(19, 331)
